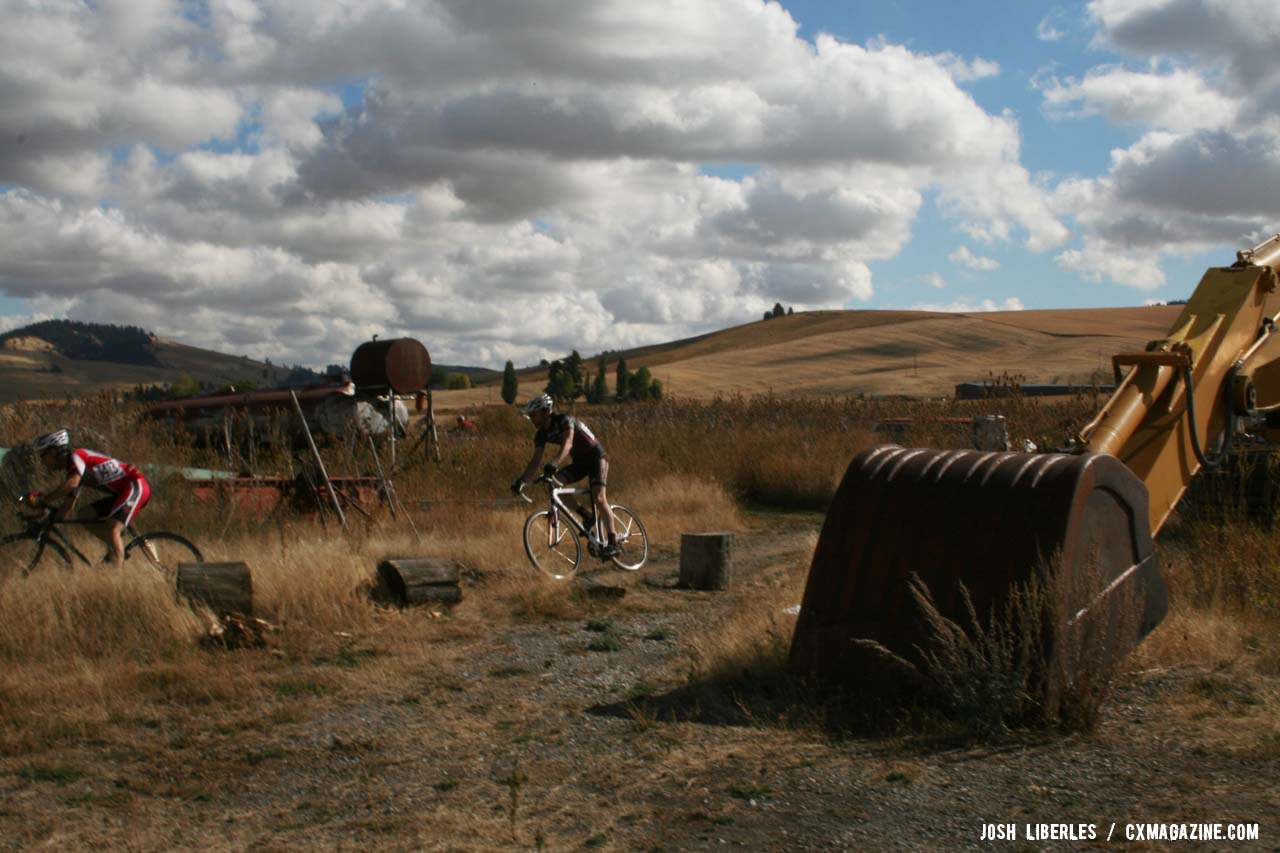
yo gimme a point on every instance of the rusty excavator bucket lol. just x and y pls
(986, 521)
(1080, 522)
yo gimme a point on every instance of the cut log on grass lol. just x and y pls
(411, 581)
(222, 587)
(706, 560)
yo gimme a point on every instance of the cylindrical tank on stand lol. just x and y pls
(401, 364)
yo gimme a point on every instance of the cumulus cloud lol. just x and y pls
(1047, 29)
(1203, 90)
(963, 306)
(965, 257)
(502, 180)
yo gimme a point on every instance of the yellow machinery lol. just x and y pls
(991, 521)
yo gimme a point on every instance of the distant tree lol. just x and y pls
(778, 310)
(184, 386)
(458, 382)
(622, 380)
(562, 386)
(790, 310)
(768, 315)
(510, 385)
(600, 390)
(639, 385)
(655, 389)
(564, 377)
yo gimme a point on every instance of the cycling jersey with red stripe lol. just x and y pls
(103, 471)
(557, 429)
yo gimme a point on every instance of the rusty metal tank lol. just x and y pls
(986, 520)
(401, 364)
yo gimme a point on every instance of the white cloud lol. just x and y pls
(1202, 175)
(1013, 303)
(935, 280)
(965, 257)
(1178, 100)
(1047, 29)
(244, 177)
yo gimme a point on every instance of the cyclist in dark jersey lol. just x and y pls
(581, 449)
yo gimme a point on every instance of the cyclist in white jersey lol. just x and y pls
(127, 490)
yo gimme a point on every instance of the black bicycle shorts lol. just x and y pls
(597, 468)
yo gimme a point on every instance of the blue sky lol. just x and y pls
(511, 179)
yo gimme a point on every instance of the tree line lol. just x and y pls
(569, 378)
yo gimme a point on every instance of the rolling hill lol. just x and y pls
(810, 353)
(40, 363)
(913, 353)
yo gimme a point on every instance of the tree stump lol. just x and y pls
(222, 587)
(706, 560)
(410, 581)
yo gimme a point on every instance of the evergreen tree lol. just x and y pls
(510, 385)
(777, 309)
(622, 380)
(638, 387)
(600, 390)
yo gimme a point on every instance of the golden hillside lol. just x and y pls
(879, 352)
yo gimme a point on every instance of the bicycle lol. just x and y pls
(161, 550)
(553, 536)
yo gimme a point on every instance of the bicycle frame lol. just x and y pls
(47, 528)
(556, 506)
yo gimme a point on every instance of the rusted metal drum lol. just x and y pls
(401, 364)
(987, 520)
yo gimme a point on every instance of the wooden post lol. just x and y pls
(406, 582)
(223, 587)
(324, 475)
(706, 560)
(434, 442)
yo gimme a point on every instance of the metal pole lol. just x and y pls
(391, 402)
(328, 484)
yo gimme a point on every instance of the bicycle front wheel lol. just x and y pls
(633, 542)
(553, 546)
(163, 551)
(25, 550)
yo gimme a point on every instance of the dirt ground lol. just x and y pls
(580, 733)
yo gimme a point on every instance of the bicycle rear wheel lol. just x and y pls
(163, 551)
(553, 546)
(633, 542)
(27, 550)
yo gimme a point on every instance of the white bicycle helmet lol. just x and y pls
(541, 403)
(59, 439)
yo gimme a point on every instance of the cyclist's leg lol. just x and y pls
(599, 481)
(570, 474)
(123, 510)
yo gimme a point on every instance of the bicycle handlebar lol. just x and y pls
(542, 478)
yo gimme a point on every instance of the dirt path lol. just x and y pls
(550, 734)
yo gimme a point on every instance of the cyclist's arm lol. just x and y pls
(563, 458)
(68, 492)
(532, 467)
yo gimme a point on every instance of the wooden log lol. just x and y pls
(222, 587)
(706, 560)
(410, 581)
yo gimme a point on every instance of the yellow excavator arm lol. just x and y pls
(978, 525)
(1190, 387)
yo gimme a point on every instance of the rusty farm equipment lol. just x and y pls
(979, 525)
